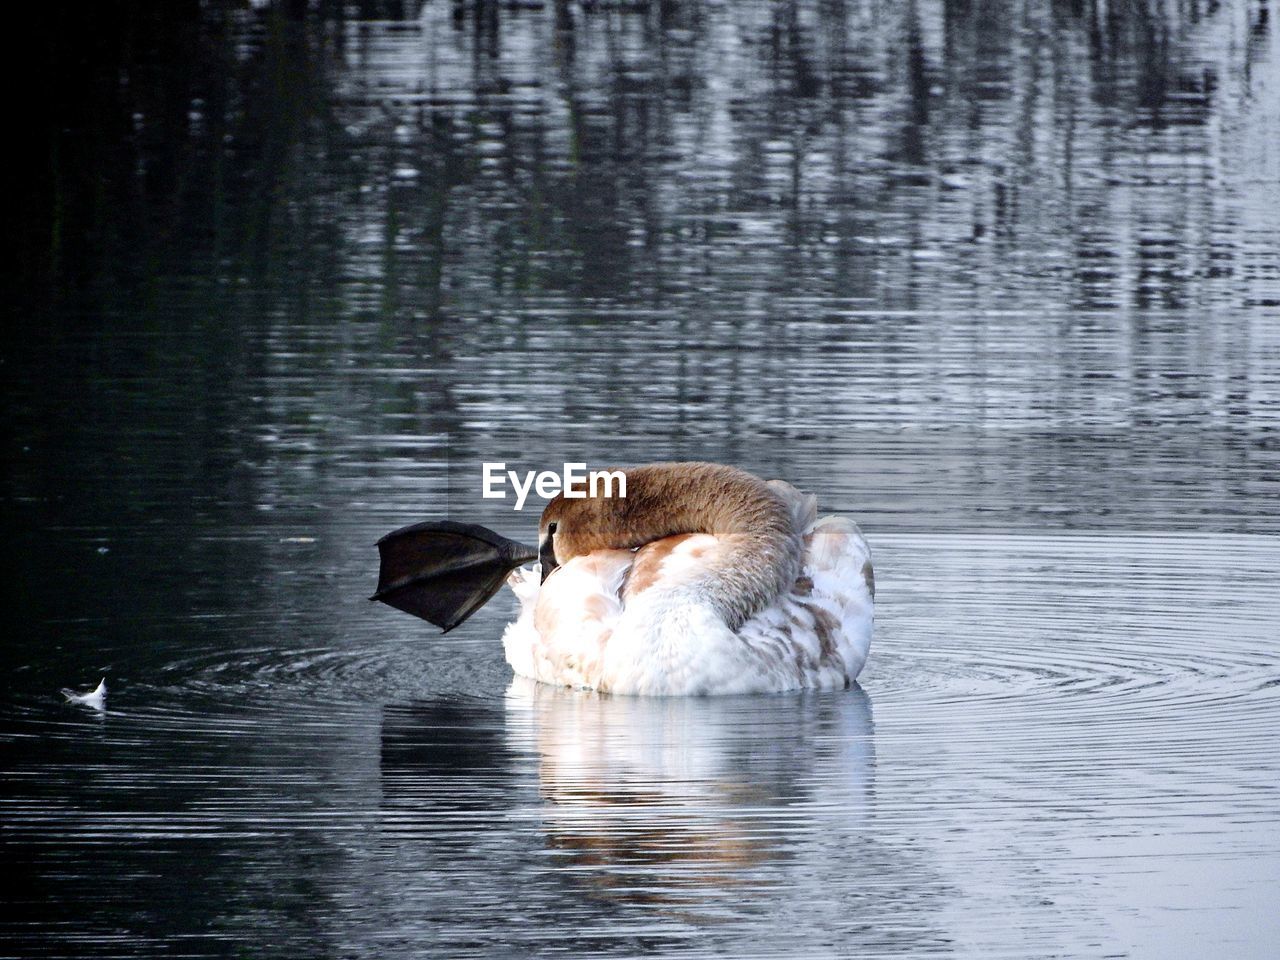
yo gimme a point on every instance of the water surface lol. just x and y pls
(999, 280)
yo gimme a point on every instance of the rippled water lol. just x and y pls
(1000, 280)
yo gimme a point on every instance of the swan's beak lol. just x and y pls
(547, 557)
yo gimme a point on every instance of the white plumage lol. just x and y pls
(640, 621)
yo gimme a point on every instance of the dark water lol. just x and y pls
(1000, 280)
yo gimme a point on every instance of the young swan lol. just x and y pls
(703, 579)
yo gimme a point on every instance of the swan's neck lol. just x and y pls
(758, 552)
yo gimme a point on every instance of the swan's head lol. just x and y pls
(572, 527)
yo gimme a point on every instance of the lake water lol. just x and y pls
(999, 280)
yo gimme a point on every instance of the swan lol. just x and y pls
(704, 579)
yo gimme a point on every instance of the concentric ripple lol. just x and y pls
(1099, 626)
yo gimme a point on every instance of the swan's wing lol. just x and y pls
(667, 562)
(819, 634)
(838, 564)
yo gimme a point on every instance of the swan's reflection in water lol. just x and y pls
(662, 800)
(624, 823)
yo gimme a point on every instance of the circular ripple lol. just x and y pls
(1107, 638)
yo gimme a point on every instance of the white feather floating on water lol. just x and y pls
(97, 699)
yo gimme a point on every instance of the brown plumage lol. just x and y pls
(758, 554)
